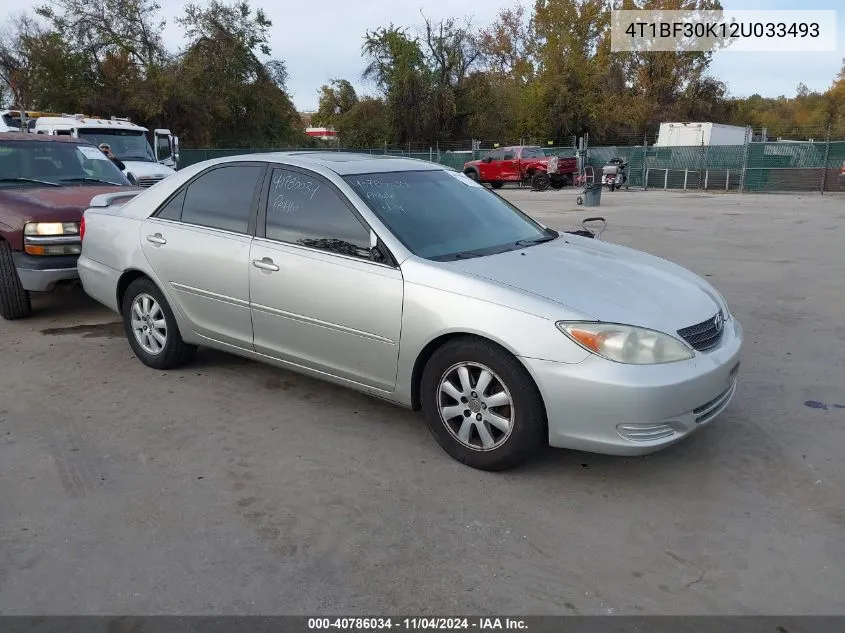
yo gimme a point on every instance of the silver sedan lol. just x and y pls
(410, 282)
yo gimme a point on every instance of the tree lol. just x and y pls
(224, 92)
(398, 67)
(336, 99)
(16, 64)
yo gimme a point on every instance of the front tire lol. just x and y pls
(151, 328)
(15, 302)
(472, 175)
(482, 406)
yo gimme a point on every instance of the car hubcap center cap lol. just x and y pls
(474, 405)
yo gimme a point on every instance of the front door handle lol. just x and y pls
(156, 239)
(265, 264)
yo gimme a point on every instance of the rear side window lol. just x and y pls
(173, 209)
(222, 198)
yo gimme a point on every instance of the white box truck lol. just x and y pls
(697, 134)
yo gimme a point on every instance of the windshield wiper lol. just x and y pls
(40, 182)
(536, 240)
(89, 179)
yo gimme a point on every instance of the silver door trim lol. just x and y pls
(209, 295)
(331, 326)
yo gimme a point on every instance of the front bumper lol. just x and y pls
(42, 273)
(604, 407)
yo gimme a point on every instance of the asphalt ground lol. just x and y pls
(229, 487)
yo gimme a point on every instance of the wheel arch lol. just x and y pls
(439, 341)
(125, 280)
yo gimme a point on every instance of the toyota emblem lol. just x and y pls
(719, 322)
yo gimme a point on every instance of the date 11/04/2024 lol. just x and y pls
(417, 623)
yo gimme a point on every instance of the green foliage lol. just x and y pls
(541, 72)
(107, 57)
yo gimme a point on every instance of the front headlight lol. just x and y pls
(51, 228)
(625, 343)
(52, 238)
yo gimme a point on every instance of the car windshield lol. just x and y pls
(125, 144)
(10, 120)
(33, 163)
(443, 215)
(533, 152)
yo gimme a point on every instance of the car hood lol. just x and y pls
(603, 282)
(143, 169)
(50, 204)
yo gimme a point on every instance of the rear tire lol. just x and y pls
(151, 328)
(15, 302)
(506, 425)
(497, 184)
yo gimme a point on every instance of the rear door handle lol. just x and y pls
(265, 264)
(156, 239)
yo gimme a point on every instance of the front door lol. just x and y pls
(490, 171)
(198, 244)
(319, 298)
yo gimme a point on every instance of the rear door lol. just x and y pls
(198, 245)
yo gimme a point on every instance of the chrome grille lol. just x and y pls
(705, 335)
(148, 182)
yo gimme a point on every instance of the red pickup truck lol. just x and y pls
(526, 164)
(46, 182)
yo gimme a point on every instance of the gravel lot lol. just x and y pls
(232, 487)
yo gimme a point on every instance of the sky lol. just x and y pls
(321, 39)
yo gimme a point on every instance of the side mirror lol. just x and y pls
(486, 159)
(131, 177)
(376, 253)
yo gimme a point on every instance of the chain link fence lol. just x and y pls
(780, 166)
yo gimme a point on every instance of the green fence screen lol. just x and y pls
(754, 167)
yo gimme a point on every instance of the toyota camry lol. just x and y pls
(409, 281)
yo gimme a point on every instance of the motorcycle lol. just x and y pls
(615, 173)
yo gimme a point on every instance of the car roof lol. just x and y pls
(346, 163)
(41, 138)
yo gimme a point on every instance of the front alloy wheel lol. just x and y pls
(481, 404)
(476, 406)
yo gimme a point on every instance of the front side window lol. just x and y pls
(222, 198)
(443, 215)
(56, 163)
(499, 154)
(304, 210)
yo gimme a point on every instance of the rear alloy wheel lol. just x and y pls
(151, 327)
(482, 406)
(540, 181)
(14, 299)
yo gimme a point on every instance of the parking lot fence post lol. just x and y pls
(686, 175)
(666, 179)
(742, 174)
(824, 161)
(706, 176)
